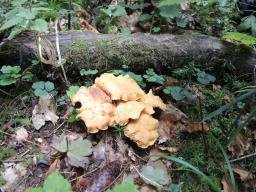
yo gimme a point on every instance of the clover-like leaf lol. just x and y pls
(151, 76)
(72, 91)
(49, 86)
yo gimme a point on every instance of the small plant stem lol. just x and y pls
(58, 51)
(243, 157)
(1, 90)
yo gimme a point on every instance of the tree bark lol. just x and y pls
(138, 52)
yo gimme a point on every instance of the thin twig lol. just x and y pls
(244, 157)
(58, 51)
(90, 172)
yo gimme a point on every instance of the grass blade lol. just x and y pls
(192, 168)
(235, 132)
(227, 106)
(230, 170)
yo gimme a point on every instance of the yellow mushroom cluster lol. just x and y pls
(118, 100)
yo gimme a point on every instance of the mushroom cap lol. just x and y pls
(151, 101)
(119, 87)
(128, 110)
(96, 109)
(142, 131)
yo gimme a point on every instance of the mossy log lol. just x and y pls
(164, 52)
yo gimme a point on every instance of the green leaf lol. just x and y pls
(194, 169)
(40, 92)
(205, 78)
(39, 25)
(56, 183)
(125, 30)
(151, 76)
(38, 85)
(80, 148)
(5, 81)
(145, 17)
(156, 29)
(155, 175)
(15, 32)
(119, 11)
(40, 189)
(174, 188)
(229, 105)
(84, 72)
(60, 143)
(178, 93)
(72, 91)
(170, 11)
(9, 69)
(174, 2)
(49, 86)
(27, 75)
(11, 22)
(126, 186)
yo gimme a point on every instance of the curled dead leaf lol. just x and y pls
(142, 131)
(44, 111)
(239, 145)
(171, 121)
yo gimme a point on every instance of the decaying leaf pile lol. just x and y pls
(118, 100)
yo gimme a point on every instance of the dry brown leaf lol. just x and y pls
(242, 173)
(119, 87)
(142, 131)
(169, 149)
(151, 101)
(196, 126)
(44, 111)
(96, 109)
(239, 145)
(226, 184)
(171, 120)
(21, 134)
(84, 24)
(55, 166)
(128, 110)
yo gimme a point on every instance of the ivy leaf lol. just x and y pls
(39, 25)
(72, 91)
(38, 85)
(178, 93)
(155, 175)
(60, 143)
(56, 183)
(27, 75)
(205, 78)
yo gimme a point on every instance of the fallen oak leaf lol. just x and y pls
(239, 145)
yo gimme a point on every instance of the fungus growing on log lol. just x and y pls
(118, 100)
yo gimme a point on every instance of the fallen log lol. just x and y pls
(164, 52)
